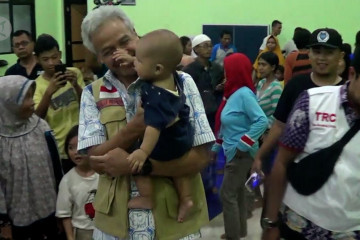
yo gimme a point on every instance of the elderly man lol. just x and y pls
(109, 105)
(208, 76)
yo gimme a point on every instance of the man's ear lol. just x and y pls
(342, 54)
(60, 54)
(159, 69)
(135, 33)
(352, 74)
(195, 50)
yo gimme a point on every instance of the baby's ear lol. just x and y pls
(159, 69)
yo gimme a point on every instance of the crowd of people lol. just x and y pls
(121, 157)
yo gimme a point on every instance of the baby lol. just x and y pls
(168, 133)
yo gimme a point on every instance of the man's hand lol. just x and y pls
(56, 82)
(71, 77)
(271, 234)
(6, 232)
(114, 163)
(123, 58)
(97, 163)
(137, 160)
(220, 87)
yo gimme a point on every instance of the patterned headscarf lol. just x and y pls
(12, 93)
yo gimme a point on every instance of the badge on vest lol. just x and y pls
(324, 119)
(108, 93)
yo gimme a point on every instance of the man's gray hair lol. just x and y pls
(99, 16)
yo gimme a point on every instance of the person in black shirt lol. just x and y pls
(325, 55)
(208, 76)
(26, 65)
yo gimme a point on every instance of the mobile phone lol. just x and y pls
(61, 68)
(254, 181)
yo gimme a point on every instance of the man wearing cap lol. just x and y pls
(325, 55)
(208, 76)
(319, 118)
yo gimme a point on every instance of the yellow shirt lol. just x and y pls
(63, 112)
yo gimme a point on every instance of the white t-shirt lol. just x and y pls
(289, 47)
(75, 192)
(263, 45)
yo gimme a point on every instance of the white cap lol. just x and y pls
(199, 39)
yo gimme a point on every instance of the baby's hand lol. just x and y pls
(137, 160)
(123, 58)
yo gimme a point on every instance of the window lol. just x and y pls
(15, 15)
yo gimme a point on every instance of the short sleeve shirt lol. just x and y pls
(291, 92)
(298, 126)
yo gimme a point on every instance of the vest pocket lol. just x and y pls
(113, 118)
(105, 194)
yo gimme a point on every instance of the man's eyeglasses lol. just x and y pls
(206, 45)
(22, 43)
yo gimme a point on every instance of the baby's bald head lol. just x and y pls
(163, 47)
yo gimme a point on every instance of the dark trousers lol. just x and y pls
(233, 196)
(45, 228)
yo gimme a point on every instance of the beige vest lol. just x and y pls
(113, 193)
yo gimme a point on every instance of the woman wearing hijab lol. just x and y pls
(272, 45)
(27, 183)
(239, 123)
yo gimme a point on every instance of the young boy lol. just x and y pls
(168, 133)
(57, 94)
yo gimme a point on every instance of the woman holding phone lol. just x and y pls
(239, 123)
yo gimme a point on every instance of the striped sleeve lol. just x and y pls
(269, 102)
(91, 131)
(275, 96)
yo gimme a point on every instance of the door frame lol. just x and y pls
(67, 28)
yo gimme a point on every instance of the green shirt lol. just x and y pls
(269, 98)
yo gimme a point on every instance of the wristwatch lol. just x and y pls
(147, 168)
(266, 223)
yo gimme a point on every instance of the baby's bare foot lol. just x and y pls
(185, 206)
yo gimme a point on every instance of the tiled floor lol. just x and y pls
(216, 227)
